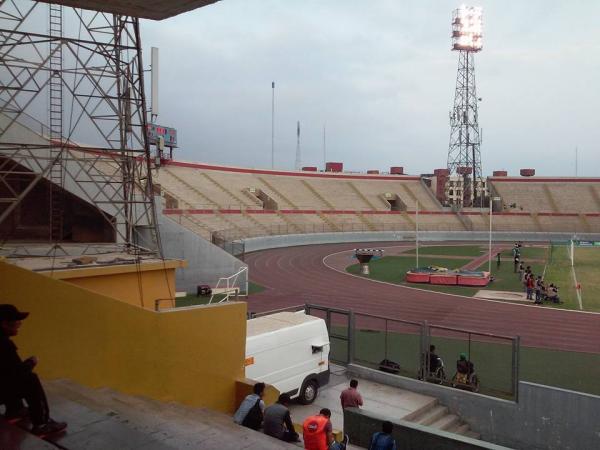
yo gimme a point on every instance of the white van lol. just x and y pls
(289, 350)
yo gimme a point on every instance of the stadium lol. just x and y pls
(140, 267)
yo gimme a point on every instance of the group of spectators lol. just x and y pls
(317, 430)
(533, 285)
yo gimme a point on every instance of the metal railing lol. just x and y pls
(374, 341)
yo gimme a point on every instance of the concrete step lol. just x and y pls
(421, 410)
(446, 422)
(14, 438)
(432, 415)
(473, 435)
(462, 429)
(102, 418)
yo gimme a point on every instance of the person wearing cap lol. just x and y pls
(18, 382)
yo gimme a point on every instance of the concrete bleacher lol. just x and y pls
(238, 203)
(107, 419)
(555, 195)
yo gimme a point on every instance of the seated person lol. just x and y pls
(277, 421)
(464, 369)
(434, 360)
(552, 293)
(251, 411)
(18, 381)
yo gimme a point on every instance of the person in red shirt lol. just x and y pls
(318, 433)
(351, 397)
(530, 286)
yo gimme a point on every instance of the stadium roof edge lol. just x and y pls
(297, 173)
(144, 9)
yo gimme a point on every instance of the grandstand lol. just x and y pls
(242, 202)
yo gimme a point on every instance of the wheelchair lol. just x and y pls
(468, 382)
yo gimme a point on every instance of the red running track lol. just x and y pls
(298, 275)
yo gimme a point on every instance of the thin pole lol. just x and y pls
(272, 125)
(576, 161)
(417, 233)
(490, 242)
(324, 146)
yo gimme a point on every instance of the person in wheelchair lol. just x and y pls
(464, 369)
(434, 360)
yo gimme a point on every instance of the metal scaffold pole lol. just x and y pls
(79, 93)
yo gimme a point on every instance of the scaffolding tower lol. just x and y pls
(79, 94)
(464, 151)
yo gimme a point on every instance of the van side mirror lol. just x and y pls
(317, 348)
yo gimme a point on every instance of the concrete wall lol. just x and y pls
(544, 417)
(139, 285)
(206, 262)
(193, 356)
(360, 426)
(290, 240)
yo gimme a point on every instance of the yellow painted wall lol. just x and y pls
(138, 285)
(192, 356)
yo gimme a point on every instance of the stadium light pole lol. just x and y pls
(272, 125)
(490, 239)
(490, 242)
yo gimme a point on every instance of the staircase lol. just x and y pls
(410, 193)
(328, 221)
(366, 222)
(107, 419)
(362, 196)
(277, 193)
(258, 224)
(587, 227)
(239, 200)
(465, 221)
(409, 219)
(195, 226)
(536, 222)
(317, 194)
(290, 223)
(550, 198)
(190, 187)
(595, 196)
(437, 416)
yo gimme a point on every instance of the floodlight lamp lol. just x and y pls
(467, 28)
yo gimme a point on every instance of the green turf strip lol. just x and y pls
(587, 270)
(493, 361)
(393, 270)
(528, 253)
(254, 288)
(454, 250)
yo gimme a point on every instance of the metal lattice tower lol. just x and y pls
(464, 154)
(73, 112)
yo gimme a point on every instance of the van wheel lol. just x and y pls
(309, 392)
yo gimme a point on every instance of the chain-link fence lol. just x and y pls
(410, 348)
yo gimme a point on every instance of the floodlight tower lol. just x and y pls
(464, 157)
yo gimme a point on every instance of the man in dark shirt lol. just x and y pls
(433, 359)
(17, 380)
(277, 421)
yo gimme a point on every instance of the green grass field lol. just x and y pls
(556, 263)
(393, 268)
(587, 271)
(192, 300)
(493, 361)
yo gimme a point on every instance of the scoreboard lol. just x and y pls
(168, 134)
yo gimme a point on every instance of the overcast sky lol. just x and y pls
(380, 75)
